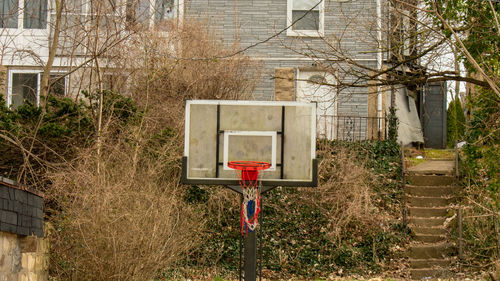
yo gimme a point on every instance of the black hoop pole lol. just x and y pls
(241, 248)
(260, 239)
(249, 172)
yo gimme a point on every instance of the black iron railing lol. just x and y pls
(351, 128)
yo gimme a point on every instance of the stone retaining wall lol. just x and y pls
(24, 253)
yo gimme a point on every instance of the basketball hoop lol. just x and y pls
(248, 174)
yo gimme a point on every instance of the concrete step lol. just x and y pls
(429, 263)
(428, 212)
(435, 167)
(431, 251)
(429, 201)
(429, 230)
(434, 191)
(427, 222)
(425, 238)
(430, 180)
(429, 273)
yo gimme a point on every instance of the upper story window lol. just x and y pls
(9, 13)
(307, 17)
(149, 12)
(35, 14)
(164, 10)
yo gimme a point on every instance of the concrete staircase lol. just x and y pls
(430, 192)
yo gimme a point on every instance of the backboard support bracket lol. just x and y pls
(265, 183)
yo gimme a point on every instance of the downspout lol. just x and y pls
(379, 64)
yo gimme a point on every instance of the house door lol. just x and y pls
(433, 115)
(312, 86)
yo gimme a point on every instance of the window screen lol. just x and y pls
(305, 14)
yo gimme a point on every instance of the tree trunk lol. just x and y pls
(44, 84)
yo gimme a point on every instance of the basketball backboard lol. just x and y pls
(281, 133)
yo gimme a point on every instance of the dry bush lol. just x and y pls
(123, 222)
(187, 64)
(345, 195)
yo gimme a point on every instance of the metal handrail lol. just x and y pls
(351, 128)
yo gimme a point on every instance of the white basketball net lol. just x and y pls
(250, 207)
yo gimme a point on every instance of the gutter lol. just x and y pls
(379, 64)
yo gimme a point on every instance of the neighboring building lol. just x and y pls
(87, 28)
(258, 26)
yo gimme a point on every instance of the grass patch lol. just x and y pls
(439, 154)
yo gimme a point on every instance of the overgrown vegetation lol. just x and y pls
(129, 219)
(346, 225)
(116, 208)
(31, 142)
(481, 170)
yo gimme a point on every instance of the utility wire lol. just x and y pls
(246, 48)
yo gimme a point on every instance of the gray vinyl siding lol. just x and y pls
(252, 21)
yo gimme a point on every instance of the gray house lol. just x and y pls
(301, 45)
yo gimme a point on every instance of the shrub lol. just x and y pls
(481, 170)
(455, 122)
(122, 222)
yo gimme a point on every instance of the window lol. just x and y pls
(138, 12)
(146, 12)
(57, 85)
(307, 17)
(9, 13)
(24, 87)
(35, 14)
(114, 82)
(164, 10)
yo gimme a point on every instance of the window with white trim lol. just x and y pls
(151, 12)
(9, 10)
(24, 87)
(35, 14)
(31, 14)
(307, 17)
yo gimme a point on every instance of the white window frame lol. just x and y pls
(39, 80)
(305, 33)
(11, 80)
(20, 18)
